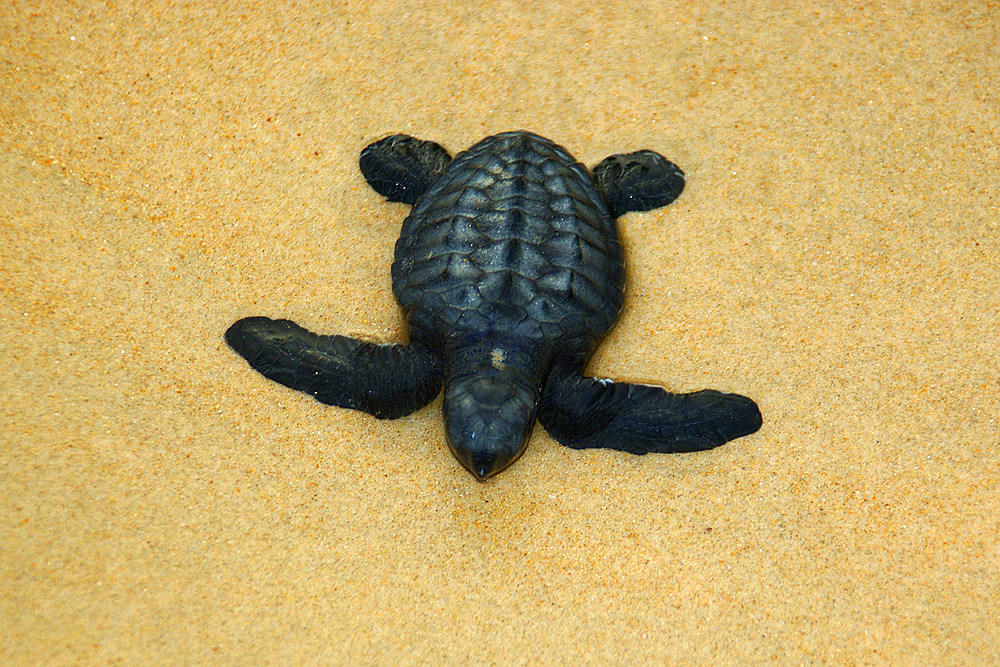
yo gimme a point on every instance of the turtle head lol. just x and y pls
(488, 417)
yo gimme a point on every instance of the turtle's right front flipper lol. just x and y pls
(386, 381)
(401, 168)
(582, 412)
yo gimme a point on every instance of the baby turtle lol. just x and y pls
(510, 272)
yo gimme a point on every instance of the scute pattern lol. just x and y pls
(512, 237)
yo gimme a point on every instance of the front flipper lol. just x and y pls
(386, 381)
(584, 412)
(401, 168)
(639, 181)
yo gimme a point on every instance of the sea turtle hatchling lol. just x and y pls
(510, 272)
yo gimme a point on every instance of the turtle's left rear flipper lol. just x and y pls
(582, 412)
(386, 381)
(639, 181)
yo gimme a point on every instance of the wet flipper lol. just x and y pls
(401, 168)
(639, 181)
(386, 381)
(582, 412)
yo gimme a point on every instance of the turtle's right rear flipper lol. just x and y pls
(401, 168)
(584, 412)
(386, 381)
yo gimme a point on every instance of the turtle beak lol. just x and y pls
(488, 422)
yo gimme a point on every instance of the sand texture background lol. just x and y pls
(166, 168)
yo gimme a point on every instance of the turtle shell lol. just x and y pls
(512, 238)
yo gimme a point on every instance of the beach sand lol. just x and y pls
(168, 169)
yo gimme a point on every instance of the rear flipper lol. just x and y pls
(401, 168)
(584, 412)
(386, 381)
(639, 181)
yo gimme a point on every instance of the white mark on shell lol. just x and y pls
(498, 359)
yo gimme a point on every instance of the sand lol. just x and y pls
(166, 169)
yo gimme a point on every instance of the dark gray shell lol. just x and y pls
(514, 238)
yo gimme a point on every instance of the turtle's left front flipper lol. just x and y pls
(386, 381)
(583, 412)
